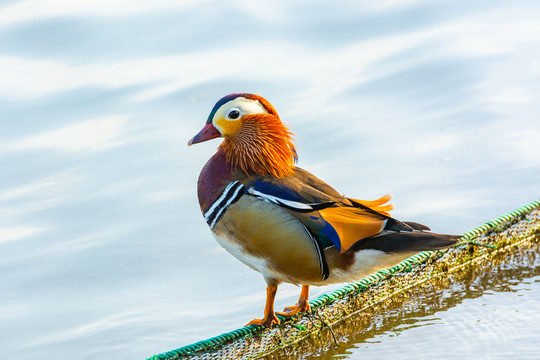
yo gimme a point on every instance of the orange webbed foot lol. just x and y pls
(271, 320)
(301, 305)
(293, 310)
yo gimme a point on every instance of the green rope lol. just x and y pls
(354, 288)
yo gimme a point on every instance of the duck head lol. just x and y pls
(255, 139)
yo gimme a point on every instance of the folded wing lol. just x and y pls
(332, 218)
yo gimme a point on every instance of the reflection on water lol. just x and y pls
(488, 311)
(102, 244)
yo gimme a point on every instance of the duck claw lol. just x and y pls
(293, 310)
(264, 322)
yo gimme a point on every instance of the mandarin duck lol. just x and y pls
(284, 222)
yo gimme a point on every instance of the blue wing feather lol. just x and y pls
(303, 200)
(278, 190)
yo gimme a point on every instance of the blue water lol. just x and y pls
(103, 249)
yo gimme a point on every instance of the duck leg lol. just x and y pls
(302, 305)
(269, 316)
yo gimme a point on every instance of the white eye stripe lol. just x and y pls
(242, 105)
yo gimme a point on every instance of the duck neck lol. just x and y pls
(263, 146)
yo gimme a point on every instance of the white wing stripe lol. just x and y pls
(278, 201)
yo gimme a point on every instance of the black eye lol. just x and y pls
(234, 114)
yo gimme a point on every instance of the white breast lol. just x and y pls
(256, 263)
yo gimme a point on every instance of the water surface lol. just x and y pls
(104, 250)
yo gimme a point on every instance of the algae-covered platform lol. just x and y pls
(352, 308)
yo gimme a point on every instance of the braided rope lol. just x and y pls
(324, 300)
